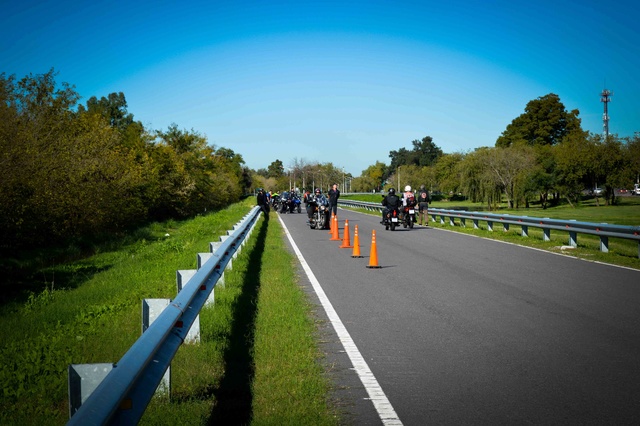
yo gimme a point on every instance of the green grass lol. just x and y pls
(257, 362)
(621, 252)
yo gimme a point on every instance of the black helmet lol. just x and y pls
(392, 191)
(318, 191)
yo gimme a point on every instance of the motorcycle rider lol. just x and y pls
(311, 201)
(408, 198)
(391, 201)
(408, 202)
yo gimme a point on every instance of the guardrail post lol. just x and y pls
(604, 244)
(475, 224)
(573, 238)
(442, 219)
(463, 222)
(547, 234)
(452, 221)
(212, 248)
(182, 279)
(490, 225)
(505, 226)
(83, 379)
(151, 309)
(525, 230)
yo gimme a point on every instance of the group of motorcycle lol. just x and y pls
(404, 215)
(288, 202)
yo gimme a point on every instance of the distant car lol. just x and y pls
(598, 192)
(636, 189)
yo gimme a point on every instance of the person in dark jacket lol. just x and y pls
(390, 202)
(423, 205)
(334, 194)
(261, 199)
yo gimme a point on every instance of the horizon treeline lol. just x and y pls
(73, 171)
(543, 155)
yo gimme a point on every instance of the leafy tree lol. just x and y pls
(509, 168)
(447, 173)
(544, 122)
(426, 152)
(399, 158)
(371, 178)
(275, 169)
(113, 108)
(477, 182)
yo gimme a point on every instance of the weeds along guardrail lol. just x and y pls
(572, 227)
(101, 394)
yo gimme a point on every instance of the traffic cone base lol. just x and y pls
(346, 241)
(356, 243)
(373, 257)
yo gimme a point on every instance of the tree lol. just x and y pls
(544, 122)
(371, 178)
(113, 108)
(447, 173)
(509, 168)
(426, 152)
(476, 180)
(275, 169)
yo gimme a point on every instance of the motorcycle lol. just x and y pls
(408, 216)
(275, 202)
(320, 218)
(392, 219)
(285, 203)
(296, 204)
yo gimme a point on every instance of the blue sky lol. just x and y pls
(335, 81)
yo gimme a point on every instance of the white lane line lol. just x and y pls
(376, 394)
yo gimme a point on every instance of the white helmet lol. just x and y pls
(407, 188)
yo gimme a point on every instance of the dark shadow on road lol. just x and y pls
(234, 399)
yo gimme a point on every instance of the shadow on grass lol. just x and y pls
(234, 399)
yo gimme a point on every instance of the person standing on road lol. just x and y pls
(423, 205)
(334, 194)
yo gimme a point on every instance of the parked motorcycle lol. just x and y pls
(321, 216)
(275, 202)
(285, 202)
(296, 204)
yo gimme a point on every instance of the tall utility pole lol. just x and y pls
(605, 97)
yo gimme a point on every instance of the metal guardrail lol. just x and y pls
(603, 230)
(123, 395)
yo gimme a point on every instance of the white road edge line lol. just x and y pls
(376, 394)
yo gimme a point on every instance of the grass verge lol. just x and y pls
(257, 362)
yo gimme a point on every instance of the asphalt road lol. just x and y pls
(465, 330)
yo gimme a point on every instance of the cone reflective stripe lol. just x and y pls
(356, 243)
(373, 257)
(346, 241)
(335, 235)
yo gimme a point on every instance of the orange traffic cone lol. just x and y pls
(356, 243)
(331, 223)
(346, 242)
(373, 258)
(335, 236)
